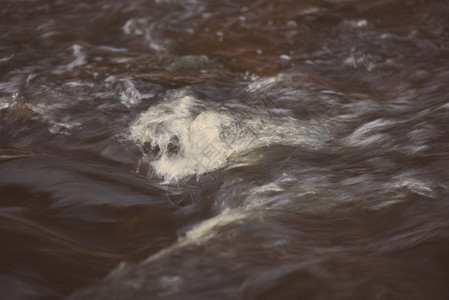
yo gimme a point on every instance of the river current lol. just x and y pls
(232, 149)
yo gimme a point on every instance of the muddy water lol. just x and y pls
(228, 150)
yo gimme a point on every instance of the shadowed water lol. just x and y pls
(232, 150)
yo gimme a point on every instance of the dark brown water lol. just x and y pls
(224, 150)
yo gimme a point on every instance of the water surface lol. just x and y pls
(176, 149)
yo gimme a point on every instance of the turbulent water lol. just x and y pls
(232, 149)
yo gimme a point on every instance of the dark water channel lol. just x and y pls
(199, 149)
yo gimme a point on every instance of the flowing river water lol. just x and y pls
(193, 149)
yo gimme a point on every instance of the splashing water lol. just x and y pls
(224, 150)
(190, 137)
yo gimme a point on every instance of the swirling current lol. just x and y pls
(191, 149)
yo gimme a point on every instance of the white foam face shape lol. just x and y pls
(201, 149)
(188, 139)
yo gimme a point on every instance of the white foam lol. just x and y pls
(63, 127)
(131, 96)
(195, 138)
(369, 133)
(264, 83)
(207, 229)
(181, 121)
(4, 59)
(148, 29)
(270, 195)
(4, 105)
(355, 61)
(285, 57)
(7, 102)
(49, 113)
(80, 57)
(412, 184)
(356, 23)
(202, 232)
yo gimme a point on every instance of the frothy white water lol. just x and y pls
(189, 137)
(201, 233)
(79, 60)
(184, 135)
(130, 96)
